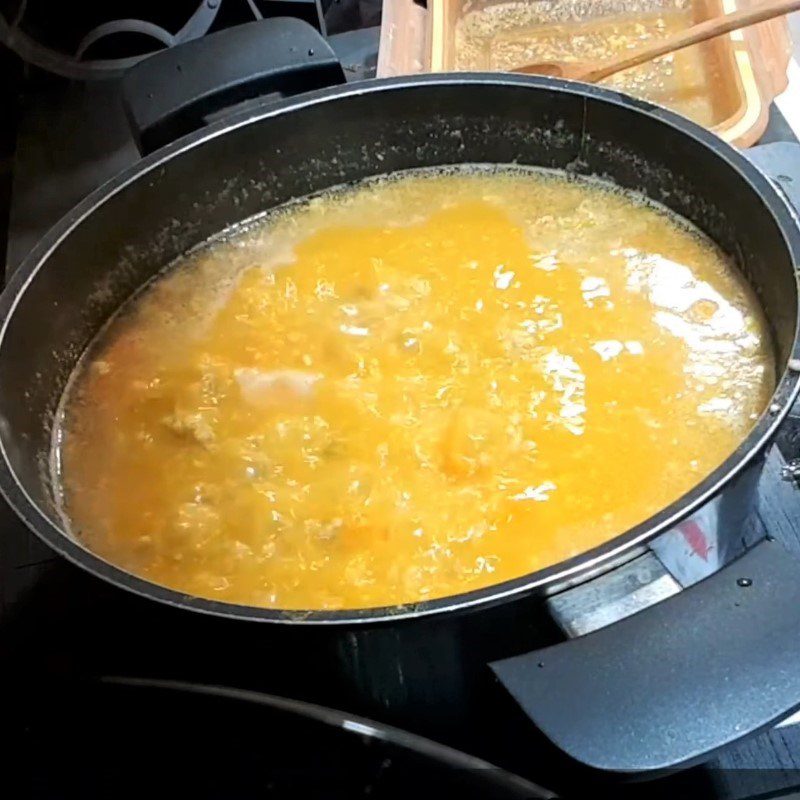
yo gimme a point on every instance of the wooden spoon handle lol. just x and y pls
(697, 33)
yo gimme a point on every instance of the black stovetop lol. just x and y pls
(57, 622)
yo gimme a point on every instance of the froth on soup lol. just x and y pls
(407, 389)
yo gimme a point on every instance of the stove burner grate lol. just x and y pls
(86, 41)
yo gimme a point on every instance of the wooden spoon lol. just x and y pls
(593, 71)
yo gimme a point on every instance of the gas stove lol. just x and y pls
(59, 627)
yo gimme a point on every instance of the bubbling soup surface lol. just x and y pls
(408, 389)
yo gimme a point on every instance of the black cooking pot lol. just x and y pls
(658, 688)
(217, 743)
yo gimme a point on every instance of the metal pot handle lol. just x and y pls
(671, 684)
(178, 90)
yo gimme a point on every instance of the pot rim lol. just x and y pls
(604, 556)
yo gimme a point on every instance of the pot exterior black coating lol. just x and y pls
(423, 666)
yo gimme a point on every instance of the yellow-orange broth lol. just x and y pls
(410, 389)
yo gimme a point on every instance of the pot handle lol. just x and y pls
(671, 684)
(175, 91)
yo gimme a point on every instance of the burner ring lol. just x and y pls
(124, 26)
(76, 67)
